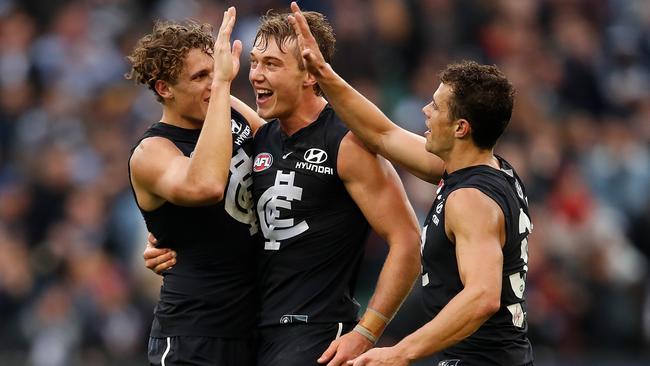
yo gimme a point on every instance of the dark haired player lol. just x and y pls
(475, 248)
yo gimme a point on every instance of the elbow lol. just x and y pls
(214, 194)
(209, 193)
(489, 303)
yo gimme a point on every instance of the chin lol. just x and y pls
(262, 113)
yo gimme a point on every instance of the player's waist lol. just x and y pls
(279, 313)
(208, 288)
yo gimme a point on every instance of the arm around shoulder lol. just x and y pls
(249, 114)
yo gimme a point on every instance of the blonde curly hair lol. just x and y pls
(160, 54)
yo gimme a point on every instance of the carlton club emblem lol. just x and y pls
(315, 156)
(263, 161)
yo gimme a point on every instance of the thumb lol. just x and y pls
(152, 239)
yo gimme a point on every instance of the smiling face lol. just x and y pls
(191, 92)
(277, 79)
(440, 133)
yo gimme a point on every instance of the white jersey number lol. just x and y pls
(518, 280)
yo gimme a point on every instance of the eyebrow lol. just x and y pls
(267, 57)
(199, 73)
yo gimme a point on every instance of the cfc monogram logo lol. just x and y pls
(279, 196)
(239, 199)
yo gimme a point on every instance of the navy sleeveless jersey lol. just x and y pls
(502, 339)
(211, 291)
(313, 231)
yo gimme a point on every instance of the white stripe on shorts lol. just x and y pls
(338, 333)
(169, 344)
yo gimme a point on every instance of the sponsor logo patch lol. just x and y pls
(315, 156)
(235, 126)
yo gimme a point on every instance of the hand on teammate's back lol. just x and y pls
(158, 259)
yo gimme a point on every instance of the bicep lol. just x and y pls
(408, 150)
(477, 225)
(158, 168)
(374, 185)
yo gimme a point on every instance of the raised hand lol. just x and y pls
(309, 50)
(226, 58)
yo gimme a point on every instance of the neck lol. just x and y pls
(306, 113)
(172, 117)
(470, 156)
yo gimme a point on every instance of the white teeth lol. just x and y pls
(264, 92)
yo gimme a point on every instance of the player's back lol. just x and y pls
(211, 291)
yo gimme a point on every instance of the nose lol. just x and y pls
(255, 74)
(424, 110)
(209, 80)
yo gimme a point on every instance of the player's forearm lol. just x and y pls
(210, 163)
(400, 270)
(459, 319)
(249, 114)
(356, 111)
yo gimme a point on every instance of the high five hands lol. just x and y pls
(309, 50)
(226, 58)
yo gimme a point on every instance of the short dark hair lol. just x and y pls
(160, 54)
(483, 96)
(276, 25)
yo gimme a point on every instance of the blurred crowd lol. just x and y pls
(73, 289)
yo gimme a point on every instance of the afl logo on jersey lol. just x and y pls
(263, 161)
(315, 156)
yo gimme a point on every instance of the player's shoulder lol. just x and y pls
(152, 147)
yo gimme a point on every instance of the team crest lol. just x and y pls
(263, 161)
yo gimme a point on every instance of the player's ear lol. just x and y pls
(309, 81)
(163, 89)
(463, 128)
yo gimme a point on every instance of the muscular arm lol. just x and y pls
(476, 224)
(367, 121)
(376, 189)
(160, 172)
